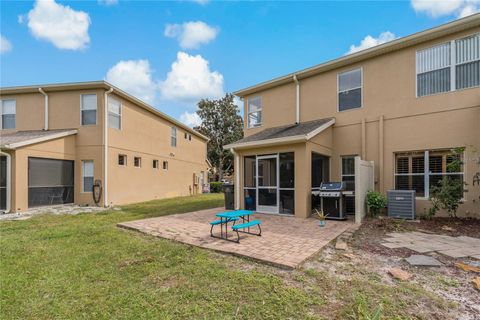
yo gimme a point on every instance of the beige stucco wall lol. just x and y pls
(143, 134)
(440, 121)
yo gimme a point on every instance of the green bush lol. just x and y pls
(215, 187)
(448, 193)
(375, 202)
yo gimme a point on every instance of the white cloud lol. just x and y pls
(190, 79)
(459, 8)
(191, 119)
(135, 77)
(239, 103)
(59, 24)
(192, 34)
(108, 2)
(370, 41)
(5, 45)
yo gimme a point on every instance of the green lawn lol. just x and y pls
(84, 267)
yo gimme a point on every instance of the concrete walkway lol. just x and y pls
(454, 247)
(285, 241)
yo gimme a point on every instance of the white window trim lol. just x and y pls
(426, 173)
(83, 175)
(249, 112)
(119, 114)
(125, 162)
(96, 110)
(163, 167)
(1, 113)
(140, 162)
(453, 64)
(360, 87)
(157, 162)
(173, 135)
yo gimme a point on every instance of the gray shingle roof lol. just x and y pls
(15, 137)
(292, 130)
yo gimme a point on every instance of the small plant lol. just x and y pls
(448, 193)
(320, 215)
(215, 187)
(363, 311)
(375, 202)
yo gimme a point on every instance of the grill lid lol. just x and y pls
(332, 186)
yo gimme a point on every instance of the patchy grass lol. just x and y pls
(83, 266)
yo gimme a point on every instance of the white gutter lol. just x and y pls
(105, 148)
(45, 127)
(297, 101)
(9, 181)
(15, 145)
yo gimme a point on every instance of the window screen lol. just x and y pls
(50, 181)
(254, 116)
(114, 113)
(350, 90)
(88, 109)
(8, 111)
(122, 160)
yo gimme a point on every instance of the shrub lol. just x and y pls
(216, 187)
(375, 202)
(448, 193)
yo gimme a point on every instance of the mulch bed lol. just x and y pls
(374, 230)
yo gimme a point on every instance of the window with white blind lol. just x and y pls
(449, 66)
(114, 113)
(433, 70)
(467, 56)
(88, 109)
(422, 170)
(173, 137)
(350, 90)
(254, 114)
(8, 110)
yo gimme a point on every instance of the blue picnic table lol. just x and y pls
(234, 216)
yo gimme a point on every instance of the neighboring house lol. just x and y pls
(403, 105)
(58, 141)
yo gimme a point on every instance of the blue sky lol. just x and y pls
(171, 54)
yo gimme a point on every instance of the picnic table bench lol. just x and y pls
(234, 216)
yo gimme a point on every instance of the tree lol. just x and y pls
(222, 123)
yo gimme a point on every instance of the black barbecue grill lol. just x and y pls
(332, 200)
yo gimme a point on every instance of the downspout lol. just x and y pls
(105, 147)
(237, 178)
(297, 100)
(45, 126)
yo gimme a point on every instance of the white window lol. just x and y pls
(87, 175)
(8, 111)
(137, 162)
(165, 165)
(433, 70)
(155, 164)
(254, 115)
(467, 64)
(88, 109)
(122, 160)
(449, 66)
(114, 113)
(350, 90)
(422, 170)
(173, 138)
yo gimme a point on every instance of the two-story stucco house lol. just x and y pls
(66, 143)
(402, 106)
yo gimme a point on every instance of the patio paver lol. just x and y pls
(285, 241)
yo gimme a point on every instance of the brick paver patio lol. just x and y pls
(454, 247)
(285, 241)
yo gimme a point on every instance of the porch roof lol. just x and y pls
(16, 139)
(299, 132)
